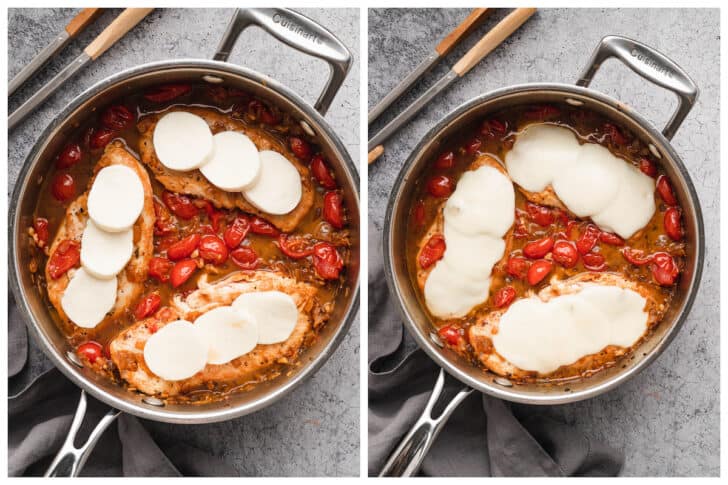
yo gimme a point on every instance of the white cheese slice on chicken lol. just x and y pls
(104, 254)
(176, 351)
(87, 299)
(278, 188)
(116, 198)
(275, 312)
(182, 141)
(235, 162)
(229, 333)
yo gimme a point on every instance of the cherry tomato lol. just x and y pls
(541, 112)
(472, 146)
(664, 269)
(147, 306)
(664, 188)
(636, 257)
(543, 216)
(300, 148)
(236, 232)
(517, 266)
(263, 113)
(538, 248)
(333, 212)
(100, 137)
(180, 205)
(164, 222)
(213, 214)
(183, 248)
(493, 128)
(260, 226)
(245, 257)
(565, 253)
(445, 161)
(213, 249)
(440, 186)
(66, 256)
(327, 261)
(449, 334)
(432, 251)
(647, 167)
(295, 247)
(419, 213)
(504, 296)
(63, 187)
(321, 172)
(117, 117)
(538, 271)
(40, 225)
(167, 92)
(611, 239)
(614, 134)
(159, 268)
(90, 351)
(594, 261)
(587, 239)
(182, 271)
(69, 156)
(673, 226)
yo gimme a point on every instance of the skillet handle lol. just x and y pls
(407, 457)
(70, 460)
(299, 32)
(651, 65)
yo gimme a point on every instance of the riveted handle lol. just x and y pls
(652, 66)
(299, 32)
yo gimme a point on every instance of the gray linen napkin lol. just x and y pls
(483, 436)
(40, 414)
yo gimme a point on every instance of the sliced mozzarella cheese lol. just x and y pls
(182, 141)
(449, 294)
(472, 255)
(104, 254)
(229, 333)
(116, 198)
(176, 351)
(235, 163)
(87, 299)
(278, 188)
(275, 312)
(542, 336)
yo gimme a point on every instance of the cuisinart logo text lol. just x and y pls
(295, 28)
(651, 62)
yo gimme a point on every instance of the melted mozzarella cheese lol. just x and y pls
(275, 312)
(104, 254)
(235, 163)
(476, 216)
(116, 198)
(182, 141)
(229, 333)
(587, 178)
(87, 299)
(278, 188)
(176, 351)
(537, 335)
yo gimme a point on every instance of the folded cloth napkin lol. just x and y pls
(483, 437)
(40, 414)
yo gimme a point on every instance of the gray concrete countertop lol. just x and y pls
(315, 429)
(667, 418)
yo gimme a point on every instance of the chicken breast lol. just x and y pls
(127, 349)
(130, 281)
(480, 334)
(546, 197)
(195, 184)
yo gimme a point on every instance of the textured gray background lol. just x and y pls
(315, 429)
(667, 418)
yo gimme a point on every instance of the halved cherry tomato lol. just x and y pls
(538, 271)
(90, 351)
(565, 253)
(611, 239)
(493, 128)
(333, 212)
(449, 334)
(147, 306)
(321, 172)
(159, 268)
(236, 232)
(182, 271)
(295, 247)
(673, 226)
(300, 148)
(167, 92)
(419, 213)
(614, 134)
(517, 266)
(263, 113)
(117, 117)
(587, 239)
(538, 248)
(543, 216)
(445, 161)
(63, 187)
(40, 225)
(69, 156)
(213, 214)
(472, 146)
(440, 186)
(164, 223)
(260, 226)
(504, 296)
(432, 251)
(636, 256)
(183, 248)
(664, 269)
(647, 167)
(213, 249)
(66, 256)
(594, 261)
(245, 257)
(327, 261)
(180, 205)
(100, 137)
(543, 111)
(664, 188)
